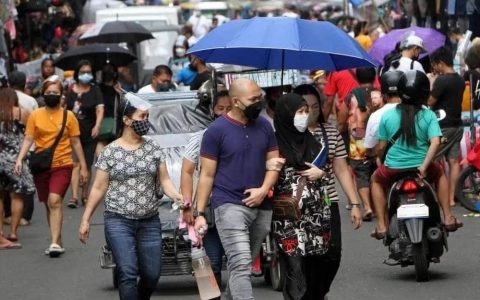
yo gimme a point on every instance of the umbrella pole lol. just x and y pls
(283, 67)
(473, 134)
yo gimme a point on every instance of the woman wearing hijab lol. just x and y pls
(311, 245)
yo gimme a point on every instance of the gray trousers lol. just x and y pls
(242, 231)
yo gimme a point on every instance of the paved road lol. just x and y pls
(29, 274)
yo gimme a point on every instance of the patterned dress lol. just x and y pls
(10, 143)
(311, 234)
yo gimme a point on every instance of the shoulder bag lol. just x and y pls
(108, 128)
(42, 161)
(285, 207)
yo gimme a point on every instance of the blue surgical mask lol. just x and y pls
(85, 77)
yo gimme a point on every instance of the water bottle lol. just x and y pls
(206, 282)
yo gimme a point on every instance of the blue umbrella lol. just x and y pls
(281, 43)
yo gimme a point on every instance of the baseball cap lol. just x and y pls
(413, 40)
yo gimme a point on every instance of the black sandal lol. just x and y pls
(454, 226)
(377, 234)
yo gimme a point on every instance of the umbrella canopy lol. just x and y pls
(97, 54)
(281, 43)
(432, 40)
(116, 32)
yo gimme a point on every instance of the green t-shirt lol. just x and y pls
(400, 155)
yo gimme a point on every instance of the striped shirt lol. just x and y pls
(192, 150)
(336, 150)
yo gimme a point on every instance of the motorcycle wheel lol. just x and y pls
(276, 270)
(420, 261)
(467, 189)
(115, 277)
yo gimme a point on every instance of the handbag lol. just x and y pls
(42, 161)
(108, 127)
(286, 206)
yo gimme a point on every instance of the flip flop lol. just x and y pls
(73, 203)
(453, 226)
(11, 246)
(378, 234)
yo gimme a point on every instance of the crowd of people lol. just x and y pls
(262, 146)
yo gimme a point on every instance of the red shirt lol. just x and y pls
(341, 83)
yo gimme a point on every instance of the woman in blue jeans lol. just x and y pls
(126, 173)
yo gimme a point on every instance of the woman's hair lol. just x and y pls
(408, 116)
(80, 64)
(47, 83)
(359, 28)
(124, 109)
(308, 89)
(8, 100)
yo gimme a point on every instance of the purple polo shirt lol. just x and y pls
(241, 153)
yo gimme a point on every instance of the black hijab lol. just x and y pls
(296, 147)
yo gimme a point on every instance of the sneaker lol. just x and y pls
(55, 250)
(7, 220)
(72, 203)
(257, 267)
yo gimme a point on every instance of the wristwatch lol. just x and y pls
(197, 213)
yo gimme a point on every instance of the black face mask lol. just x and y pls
(165, 87)
(51, 100)
(253, 110)
(108, 76)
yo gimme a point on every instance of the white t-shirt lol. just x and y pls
(200, 25)
(406, 65)
(148, 89)
(372, 126)
(26, 102)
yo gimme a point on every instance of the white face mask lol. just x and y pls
(300, 122)
(180, 52)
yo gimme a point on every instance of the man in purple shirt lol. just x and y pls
(234, 152)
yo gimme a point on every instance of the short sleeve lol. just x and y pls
(340, 151)
(104, 160)
(382, 134)
(30, 128)
(418, 66)
(371, 132)
(210, 147)
(438, 87)
(158, 153)
(98, 96)
(433, 126)
(72, 125)
(192, 150)
(272, 140)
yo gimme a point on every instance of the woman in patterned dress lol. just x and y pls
(310, 246)
(126, 173)
(12, 124)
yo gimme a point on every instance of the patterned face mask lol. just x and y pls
(140, 127)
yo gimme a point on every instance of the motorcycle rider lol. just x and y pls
(415, 147)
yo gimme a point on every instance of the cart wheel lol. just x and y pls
(276, 269)
(115, 277)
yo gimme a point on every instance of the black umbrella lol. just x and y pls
(116, 32)
(97, 54)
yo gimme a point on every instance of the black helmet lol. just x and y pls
(389, 82)
(414, 87)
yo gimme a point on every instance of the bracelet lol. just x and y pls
(355, 205)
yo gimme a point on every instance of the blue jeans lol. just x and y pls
(214, 249)
(137, 249)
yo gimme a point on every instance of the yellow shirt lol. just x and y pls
(45, 126)
(365, 41)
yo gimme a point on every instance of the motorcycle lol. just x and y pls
(416, 235)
